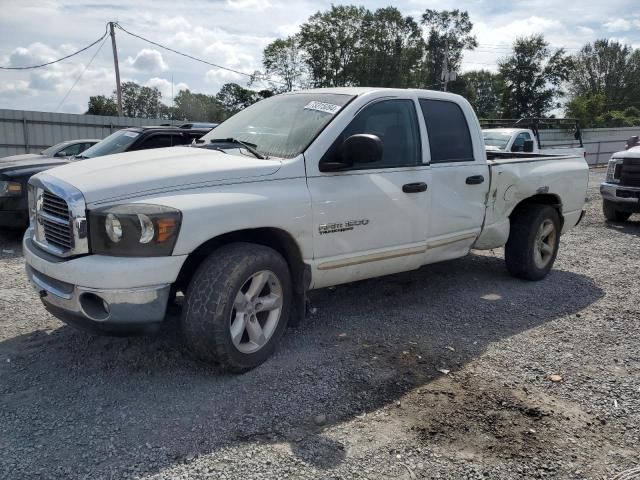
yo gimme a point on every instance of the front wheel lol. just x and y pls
(533, 242)
(237, 306)
(613, 215)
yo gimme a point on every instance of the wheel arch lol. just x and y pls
(550, 199)
(280, 240)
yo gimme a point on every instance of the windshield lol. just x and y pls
(115, 143)
(51, 151)
(495, 139)
(281, 126)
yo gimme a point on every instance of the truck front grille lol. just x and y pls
(630, 172)
(56, 221)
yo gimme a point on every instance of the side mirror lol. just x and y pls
(528, 146)
(359, 148)
(62, 153)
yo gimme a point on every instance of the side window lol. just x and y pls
(449, 137)
(396, 124)
(155, 141)
(74, 149)
(518, 143)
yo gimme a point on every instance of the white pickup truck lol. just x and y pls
(300, 191)
(523, 140)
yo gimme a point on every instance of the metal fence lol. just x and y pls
(26, 131)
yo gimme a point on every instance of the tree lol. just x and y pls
(603, 68)
(198, 107)
(449, 30)
(285, 59)
(391, 50)
(533, 77)
(483, 89)
(138, 101)
(234, 97)
(332, 42)
(101, 105)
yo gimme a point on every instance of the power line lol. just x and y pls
(190, 56)
(59, 59)
(82, 73)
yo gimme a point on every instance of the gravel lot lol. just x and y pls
(440, 373)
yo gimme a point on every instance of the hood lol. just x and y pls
(145, 172)
(28, 164)
(633, 152)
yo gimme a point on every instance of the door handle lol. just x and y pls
(414, 187)
(475, 180)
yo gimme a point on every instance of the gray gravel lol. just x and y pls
(358, 391)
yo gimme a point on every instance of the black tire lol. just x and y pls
(209, 304)
(520, 250)
(613, 215)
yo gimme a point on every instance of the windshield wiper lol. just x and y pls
(249, 146)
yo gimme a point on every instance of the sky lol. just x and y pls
(233, 33)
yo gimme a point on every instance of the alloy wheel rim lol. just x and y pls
(545, 244)
(256, 311)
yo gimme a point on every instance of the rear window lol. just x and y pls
(449, 137)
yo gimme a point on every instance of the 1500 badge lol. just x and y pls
(341, 227)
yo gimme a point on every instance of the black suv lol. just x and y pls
(15, 175)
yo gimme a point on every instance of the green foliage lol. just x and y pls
(533, 76)
(139, 101)
(391, 50)
(285, 59)
(234, 97)
(197, 107)
(101, 105)
(448, 30)
(332, 41)
(483, 89)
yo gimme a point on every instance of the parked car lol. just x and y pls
(346, 184)
(143, 138)
(523, 136)
(14, 174)
(621, 188)
(16, 170)
(199, 125)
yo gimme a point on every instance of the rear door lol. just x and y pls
(459, 179)
(371, 220)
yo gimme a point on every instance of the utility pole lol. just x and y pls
(117, 68)
(445, 66)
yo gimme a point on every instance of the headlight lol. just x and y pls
(10, 189)
(613, 170)
(134, 230)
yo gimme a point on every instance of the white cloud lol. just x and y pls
(147, 60)
(218, 77)
(617, 25)
(249, 4)
(165, 88)
(34, 54)
(14, 89)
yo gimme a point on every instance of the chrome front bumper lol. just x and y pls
(102, 310)
(626, 197)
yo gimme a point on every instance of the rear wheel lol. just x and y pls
(237, 306)
(613, 215)
(533, 241)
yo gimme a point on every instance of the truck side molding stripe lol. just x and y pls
(396, 253)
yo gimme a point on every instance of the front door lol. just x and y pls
(372, 219)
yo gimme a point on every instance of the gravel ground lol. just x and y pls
(439, 373)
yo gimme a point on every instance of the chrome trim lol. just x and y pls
(124, 306)
(608, 192)
(77, 213)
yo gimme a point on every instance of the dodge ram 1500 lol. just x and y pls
(300, 191)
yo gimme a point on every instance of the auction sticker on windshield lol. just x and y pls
(322, 107)
(131, 134)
